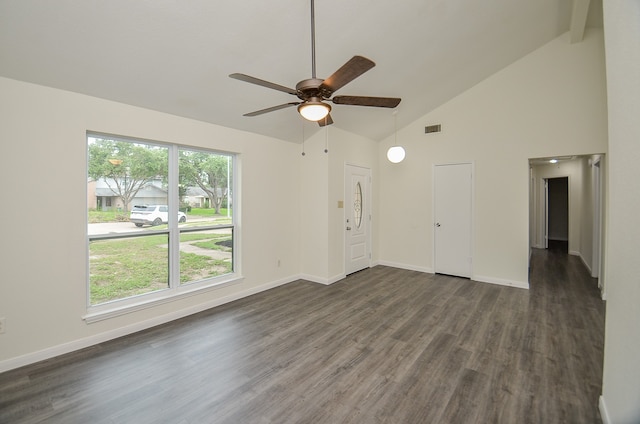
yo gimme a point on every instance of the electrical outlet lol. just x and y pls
(2, 325)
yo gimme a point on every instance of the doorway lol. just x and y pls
(596, 184)
(557, 213)
(566, 197)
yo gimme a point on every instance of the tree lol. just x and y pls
(208, 171)
(126, 167)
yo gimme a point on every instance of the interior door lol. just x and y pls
(357, 212)
(453, 225)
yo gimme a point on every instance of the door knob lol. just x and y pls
(437, 224)
(348, 228)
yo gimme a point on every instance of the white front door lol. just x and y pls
(357, 212)
(452, 225)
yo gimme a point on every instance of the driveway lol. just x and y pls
(113, 228)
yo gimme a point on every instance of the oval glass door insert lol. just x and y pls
(357, 205)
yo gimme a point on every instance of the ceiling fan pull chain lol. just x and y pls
(303, 153)
(326, 140)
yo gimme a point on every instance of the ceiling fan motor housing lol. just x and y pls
(308, 88)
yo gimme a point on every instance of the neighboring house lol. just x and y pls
(101, 196)
(91, 195)
(197, 198)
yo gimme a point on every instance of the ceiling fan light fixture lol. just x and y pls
(314, 110)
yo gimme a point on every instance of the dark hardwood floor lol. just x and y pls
(382, 346)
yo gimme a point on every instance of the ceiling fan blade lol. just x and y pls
(389, 102)
(263, 83)
(271, 109)
(326, 121)
(351, 70)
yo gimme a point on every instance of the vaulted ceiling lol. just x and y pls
(175, 56)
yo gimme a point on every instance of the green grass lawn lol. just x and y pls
(206, 212)
(122, 268)
(106, 216)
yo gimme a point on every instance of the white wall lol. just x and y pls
(314, 215)
(346, 148)
(551, 102)
(43, 273)
(620, 402)
(322, 177)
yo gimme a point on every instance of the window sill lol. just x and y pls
(127, 306)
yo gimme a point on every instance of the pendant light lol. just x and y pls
(396, 153)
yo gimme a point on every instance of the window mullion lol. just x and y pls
(174, 204)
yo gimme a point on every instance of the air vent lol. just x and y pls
(432, 128)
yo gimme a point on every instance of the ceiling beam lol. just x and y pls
(578, 20)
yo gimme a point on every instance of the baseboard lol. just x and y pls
(584, 262)
(322, 280)
(336, 278)
(501, 282)
(481, 279)
(72, 346)
(604, 413)
(406, 266)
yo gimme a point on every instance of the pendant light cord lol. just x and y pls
(395, 127)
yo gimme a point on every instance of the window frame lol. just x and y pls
(175, 290)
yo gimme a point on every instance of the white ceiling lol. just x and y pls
(175, 55)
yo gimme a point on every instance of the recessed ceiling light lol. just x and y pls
(553, 161)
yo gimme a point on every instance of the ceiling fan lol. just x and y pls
(315, 92)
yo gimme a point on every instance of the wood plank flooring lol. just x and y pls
(382, 346)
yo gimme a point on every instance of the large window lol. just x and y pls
(160, 219)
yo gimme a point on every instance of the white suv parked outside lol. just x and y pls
(152, 215)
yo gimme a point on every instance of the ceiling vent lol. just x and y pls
(432, 129)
